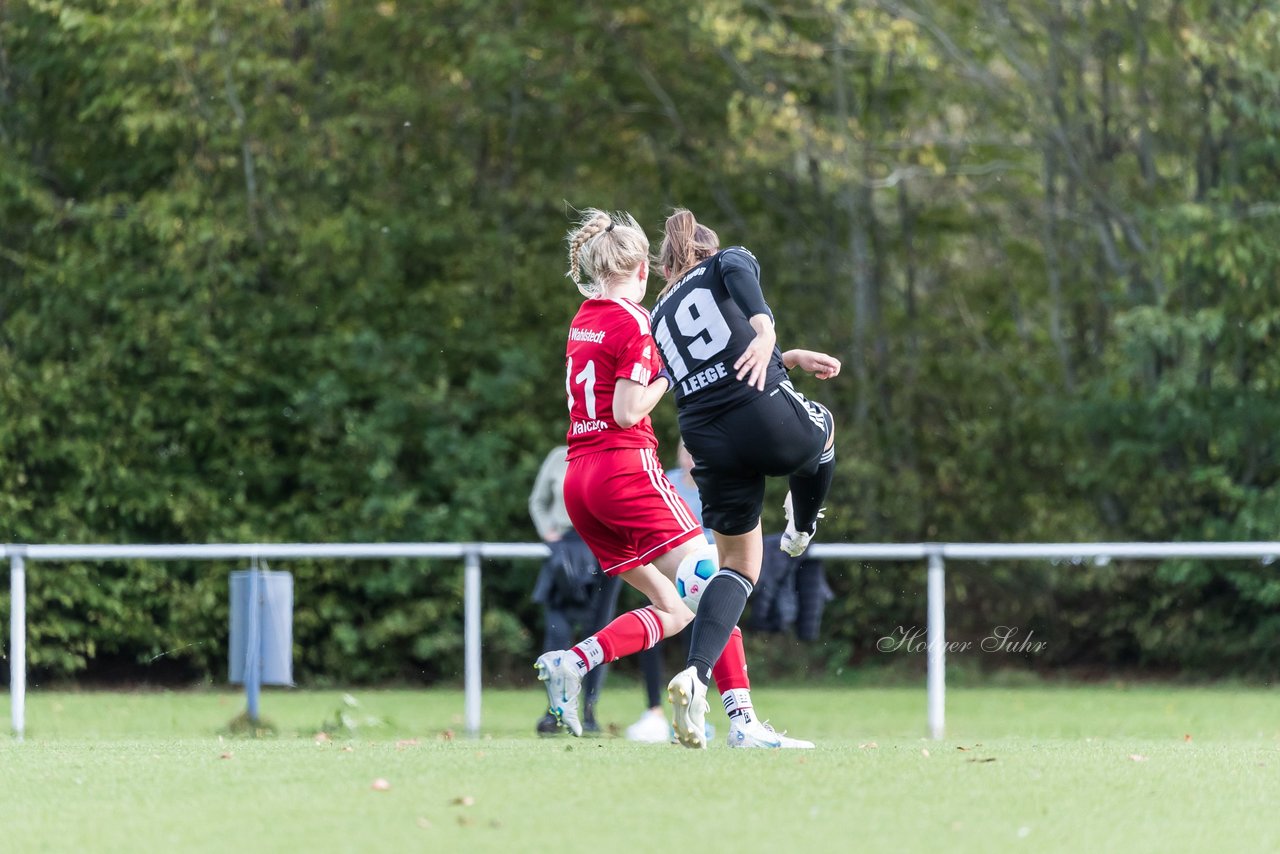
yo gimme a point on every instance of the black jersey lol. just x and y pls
(701, 328)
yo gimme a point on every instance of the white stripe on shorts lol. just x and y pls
(658, 478)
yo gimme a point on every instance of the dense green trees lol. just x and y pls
(293, 272)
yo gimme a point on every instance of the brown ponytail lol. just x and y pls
(685, 244)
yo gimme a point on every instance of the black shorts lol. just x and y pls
(778, 434)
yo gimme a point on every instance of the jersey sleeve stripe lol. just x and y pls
(641, 316)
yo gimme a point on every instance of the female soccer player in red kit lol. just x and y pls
(615, 489)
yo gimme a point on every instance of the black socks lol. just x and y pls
(809, 491)
(719, 611)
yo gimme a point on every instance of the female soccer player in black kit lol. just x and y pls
(743, 421)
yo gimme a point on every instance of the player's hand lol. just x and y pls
(754, 361)
(821, 365)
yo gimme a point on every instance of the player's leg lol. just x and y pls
(725, 597)
(640, 629)
(641, 522)
(558, 635)
(730, 675)
(813, 432)
(746, 730)
(628, 517)
(601, 608)
(809, 485)
(666, 614)
(723, 602)
(775, 435)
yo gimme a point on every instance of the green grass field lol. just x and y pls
(1037, 769)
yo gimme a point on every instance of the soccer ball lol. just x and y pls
(694, 572)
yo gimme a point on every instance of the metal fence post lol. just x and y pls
(18, 643)
(936, 642)
(253, 646)
(471, 640)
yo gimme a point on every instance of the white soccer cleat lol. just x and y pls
(794, 542)
(557, 669)
(652, 728)
(759, 734)
(688, 698)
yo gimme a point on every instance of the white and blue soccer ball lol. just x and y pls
(695, 572)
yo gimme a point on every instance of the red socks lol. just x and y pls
(730, 671)
(632, 632)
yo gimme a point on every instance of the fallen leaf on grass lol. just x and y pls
(1187, 737)
(407, 742)
(1137, 757)
(226, 755)
(447, 735)
(981, 759)
(348, 749)
(463, 801)
(381, 785)
(322, 738)
(870, 745)
(924, 751)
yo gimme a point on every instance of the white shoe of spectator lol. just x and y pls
(652, 728)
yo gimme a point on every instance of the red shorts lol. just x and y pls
(625, 509)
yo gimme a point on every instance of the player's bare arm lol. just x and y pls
(633, 401)
(754, 361)
(821, 365)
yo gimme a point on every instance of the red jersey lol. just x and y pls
(608, 339)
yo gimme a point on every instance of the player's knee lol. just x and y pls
(683, 617)
(744, 578)
(675, 618)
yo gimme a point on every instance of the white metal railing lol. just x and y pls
(471, 553)
(935, 554)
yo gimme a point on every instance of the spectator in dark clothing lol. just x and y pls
(791, 594)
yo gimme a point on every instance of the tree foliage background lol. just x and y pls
(293, 271)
